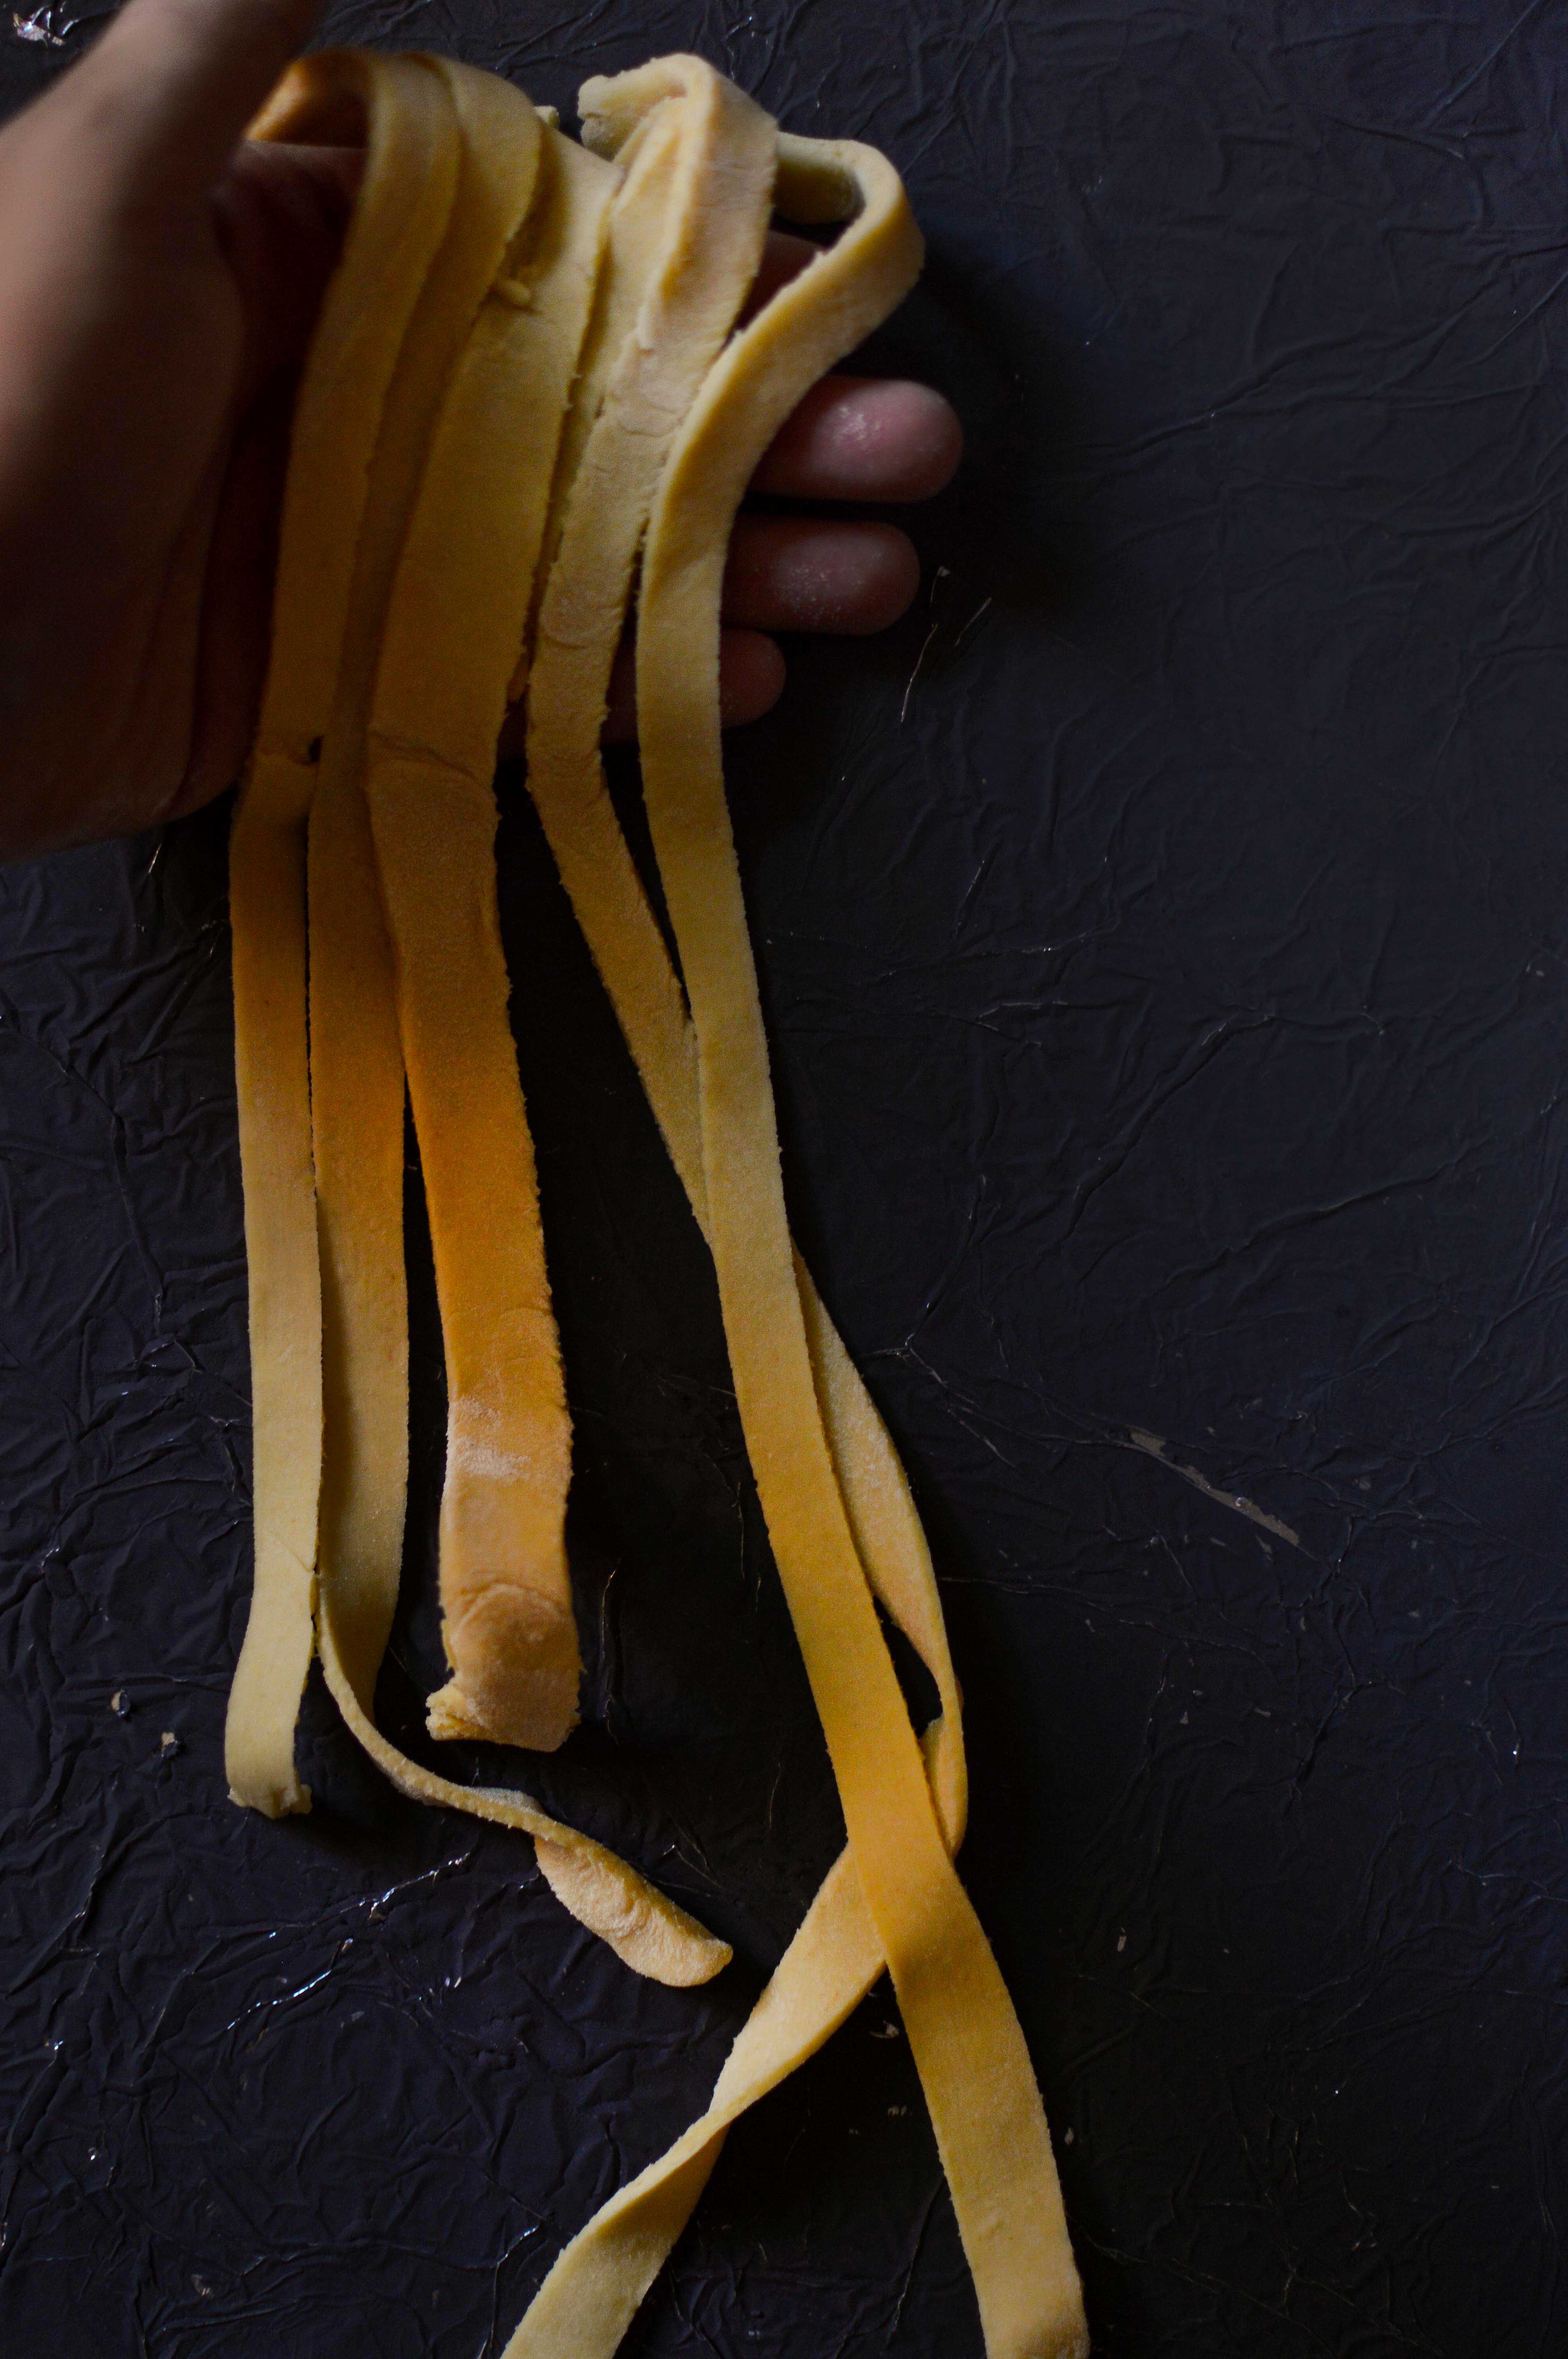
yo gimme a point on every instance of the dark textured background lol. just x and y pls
(1164, 945)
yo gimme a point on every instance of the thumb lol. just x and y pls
(168, 91)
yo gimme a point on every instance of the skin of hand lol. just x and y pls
(159, 277)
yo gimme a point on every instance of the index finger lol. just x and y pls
(853, 437)
(864, 438)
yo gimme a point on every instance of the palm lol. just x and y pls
(158, 283)
(136, 515)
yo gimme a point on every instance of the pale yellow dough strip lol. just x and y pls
(826, 1955)
(356, 1061)
(606, 508)
(356, 1056)
(682, 293)
(453, 630)
(450, 641)
(599, 2281)
(636, 232)
(593, 2292)
(977, 2071)
(965, 2035)
(409, 179)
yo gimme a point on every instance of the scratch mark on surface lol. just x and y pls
(1152, 1445)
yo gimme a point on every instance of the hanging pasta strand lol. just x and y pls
(448, 269)
(973, 2061)
(409, 179)
(965, 2037)
(527, 374)
(453, 627)
(356, 1055)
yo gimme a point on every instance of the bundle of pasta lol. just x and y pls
(527, 374)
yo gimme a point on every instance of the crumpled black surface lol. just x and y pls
(1165, 948)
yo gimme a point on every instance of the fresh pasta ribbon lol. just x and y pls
(975, 2068)
(527, 376)
(409, 179)
(423, 272)
(963, 2034)
(357, 1058)
(447, 646)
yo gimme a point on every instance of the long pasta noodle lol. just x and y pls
(527, 380)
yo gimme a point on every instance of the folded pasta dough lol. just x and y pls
(974, 2065)
(356, 1072)
(356, 1053)
(409, 179)
(459, 516)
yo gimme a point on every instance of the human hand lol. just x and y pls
(159, 278)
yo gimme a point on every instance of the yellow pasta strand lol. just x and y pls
(976, 2069)
(356, 1056)
(686, 244)
(410, 176)
(507, 1622)
(455, 517)
(965, 2037)
(356, 1065)
(447, 650)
